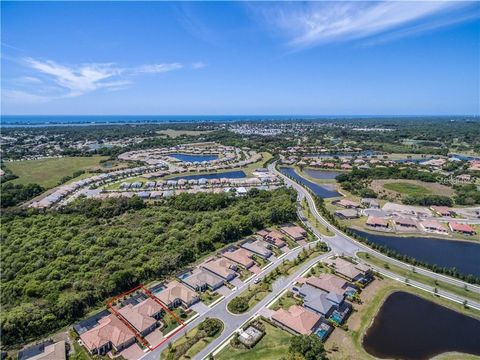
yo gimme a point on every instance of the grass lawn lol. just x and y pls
(209, 297)
(407, 188)
(193, 350)
(177, 133)
(273, 346)
(48, 172)
(285, 301)
(313, 220)
(172, 323)
(244, 274)
(460, 291)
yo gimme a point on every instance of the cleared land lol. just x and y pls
(273, 346)
(393, 188)
(48, 172)
(177, 133)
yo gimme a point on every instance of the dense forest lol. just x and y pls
(56, 266)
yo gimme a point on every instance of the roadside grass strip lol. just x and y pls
(454, 289)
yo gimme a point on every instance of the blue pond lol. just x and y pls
(238, 174)
(318, 190)
(194, 158)
(321, 174)
(446, 253)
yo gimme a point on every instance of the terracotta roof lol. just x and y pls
(220, 266)
(110, 329)
(175, 290)
(346, 268)
(140, 315)
(294, 231)
(461, 227)
(433, 224)
(376, 221)
(240, 256)
(327, 282)
(297, 318)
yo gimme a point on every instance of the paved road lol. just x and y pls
(231, 321)
(341, 243)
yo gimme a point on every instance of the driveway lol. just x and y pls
(236, 282)
(225, 291)
(200, 308)
(133, 352)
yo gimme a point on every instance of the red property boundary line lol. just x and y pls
(139, 337)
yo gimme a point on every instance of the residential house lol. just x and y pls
(331, 284)
(142, 316)
(47, 350)
(405, 222)
(377, 222)
(241, 256)
(461, 228)
(347, 214)
(297, 233)
(110, 333)
(275, 237)
(221, 267)
(297, 319)
(370, 203)
(443, 210)
(175, 294)
(433, 225)
(347, 204)
(201, 280)
(352, 272)
(258, 247)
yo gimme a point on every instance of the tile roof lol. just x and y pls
(110, 329)
(220, 266)
(141, 315)
(240, 256)
(327, 282)
(175, 290)
(297, 318)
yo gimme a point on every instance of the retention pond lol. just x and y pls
(411, 328)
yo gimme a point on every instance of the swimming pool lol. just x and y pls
(336, 317)
(321, 333)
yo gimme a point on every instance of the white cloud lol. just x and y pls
(52, 80)
(198, 65)
(158, 68)
(22, 97)
(78, 80)
(313, 23)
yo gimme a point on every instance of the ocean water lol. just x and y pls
(51, 120)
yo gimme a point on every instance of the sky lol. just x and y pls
(232, 58)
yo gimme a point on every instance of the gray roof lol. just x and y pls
(335, 298)
(319, 303)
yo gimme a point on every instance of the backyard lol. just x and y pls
(194, 340)
(272, 346)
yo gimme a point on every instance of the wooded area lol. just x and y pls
(57, 266)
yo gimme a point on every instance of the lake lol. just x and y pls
(464, 256)
(227, 175)
(322, 191)
(412, 328)
(321, 174)
(194, 157)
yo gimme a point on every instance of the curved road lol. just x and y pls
(339, 243)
